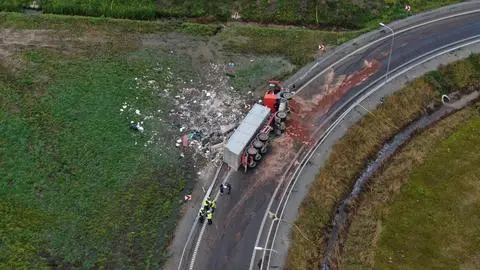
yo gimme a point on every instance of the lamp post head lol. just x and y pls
(382, 24)
(272, 215)
(259, 248)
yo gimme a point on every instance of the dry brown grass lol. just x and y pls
(365, 227)
(348, 158)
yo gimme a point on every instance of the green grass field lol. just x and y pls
(79, 189)
(433, 222)
(344, 14)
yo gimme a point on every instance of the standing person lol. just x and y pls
(209, 217)
(206, 204)
(221, 189)
(213, 205)
(229, 188)
(202, 215)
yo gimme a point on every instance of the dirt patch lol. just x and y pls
(279, 157)
(15, 40)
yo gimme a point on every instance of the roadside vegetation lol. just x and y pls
(422, 210)
(299, 45)
(361, 142)
(334, 14)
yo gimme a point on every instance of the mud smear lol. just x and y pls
(337, 232)
(268, 172)
(307, 113)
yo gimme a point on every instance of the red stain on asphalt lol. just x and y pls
(305, 113)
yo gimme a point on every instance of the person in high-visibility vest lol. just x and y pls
(209, 217)
(213, 205)
(206, 204)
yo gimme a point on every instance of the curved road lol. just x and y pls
(325, 90)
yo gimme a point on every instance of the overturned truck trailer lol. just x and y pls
(249, 141)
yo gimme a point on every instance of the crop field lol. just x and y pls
(347, 14)
(80, 188)
(361, 142)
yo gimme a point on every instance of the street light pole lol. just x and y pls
(391, 49)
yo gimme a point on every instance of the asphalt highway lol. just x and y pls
(228, 243)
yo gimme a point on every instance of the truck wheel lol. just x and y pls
(258, 144)
(264, 150)
(252, 151)
(263, 137)
(286, 95)
(258, 157)
(252, 164)
(282, 116)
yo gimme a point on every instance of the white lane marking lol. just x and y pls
(376, 41)
(330, 129)
(196, 220)
(303, 86)
(200, 236)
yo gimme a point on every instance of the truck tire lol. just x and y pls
(252, 151)
(263, 137)
(258, 157)
(264, 149)
(286, 95)
(252, 164)
(258, 144)
(278, 132)
(282, 116)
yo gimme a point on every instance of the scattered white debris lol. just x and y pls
(202, 113)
